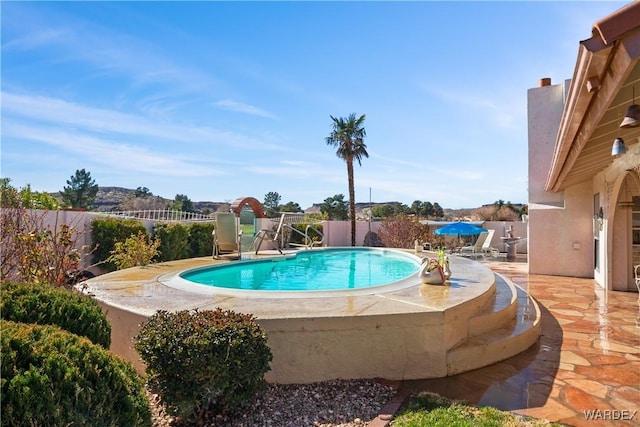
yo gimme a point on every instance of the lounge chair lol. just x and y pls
(486, 246)
(475, 249)
(227, 236)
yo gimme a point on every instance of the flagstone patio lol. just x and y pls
(585, 369)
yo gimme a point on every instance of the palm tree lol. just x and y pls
(347, 135)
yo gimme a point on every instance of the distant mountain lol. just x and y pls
(109, 198)
(119, 198)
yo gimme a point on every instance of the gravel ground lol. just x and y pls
(338, 403)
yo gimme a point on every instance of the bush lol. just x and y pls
(174, 241)
(51, 377)
(106, 232)
(204, 361)
(299, 239)
(36, 252)
(402, 231)
(135, 251)
(200, 240)
(48, 305)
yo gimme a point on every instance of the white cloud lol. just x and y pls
(118, 156)
(239, 107)
(59, 112)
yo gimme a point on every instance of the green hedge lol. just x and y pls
(48, 305)
(174, 240)
(177, 241)
(106, 232)
(200, 240)
(204, 361)
(52, 377)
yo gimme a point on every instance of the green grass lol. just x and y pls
(247, 236)
(247, 229)
(429, 409)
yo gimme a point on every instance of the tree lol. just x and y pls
(347, 136)
(271, 204)
(389, 209)
(11, 197)
(80, 191)
(291, 207)
(335, 207)
(142, 192)
(438, 212)
(427, 210)
(417, 208)
(183, 203)
(382, 211)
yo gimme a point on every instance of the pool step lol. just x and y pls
(502, 311)
(509, 327)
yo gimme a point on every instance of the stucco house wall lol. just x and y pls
(560, 224)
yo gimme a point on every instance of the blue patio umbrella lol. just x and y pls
(459, 229)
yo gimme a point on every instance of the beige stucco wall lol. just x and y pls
(336, 233)
(125, 325)
(316, 349)
(561, 238)
(544, 106)
(560, 225)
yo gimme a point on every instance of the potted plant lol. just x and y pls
(435, 271)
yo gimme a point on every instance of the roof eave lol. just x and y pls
(595, 57)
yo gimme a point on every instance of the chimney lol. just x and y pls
(546, 81)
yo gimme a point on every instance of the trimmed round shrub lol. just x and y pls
(51, 377)
(204, 362)
(49, 305)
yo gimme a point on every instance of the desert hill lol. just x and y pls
(119, 198)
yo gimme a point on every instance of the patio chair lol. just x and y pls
(486, 246)
(475, 249)
(227, 236)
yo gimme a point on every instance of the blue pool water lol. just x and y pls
(319, 270)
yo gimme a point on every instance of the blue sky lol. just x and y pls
(219, 100)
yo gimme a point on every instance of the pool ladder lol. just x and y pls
(278, 236)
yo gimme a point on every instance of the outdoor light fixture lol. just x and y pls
(632, 118)
(598, 219)
(618, 148)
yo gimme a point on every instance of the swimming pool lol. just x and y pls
(398, 331)
(332, 269)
